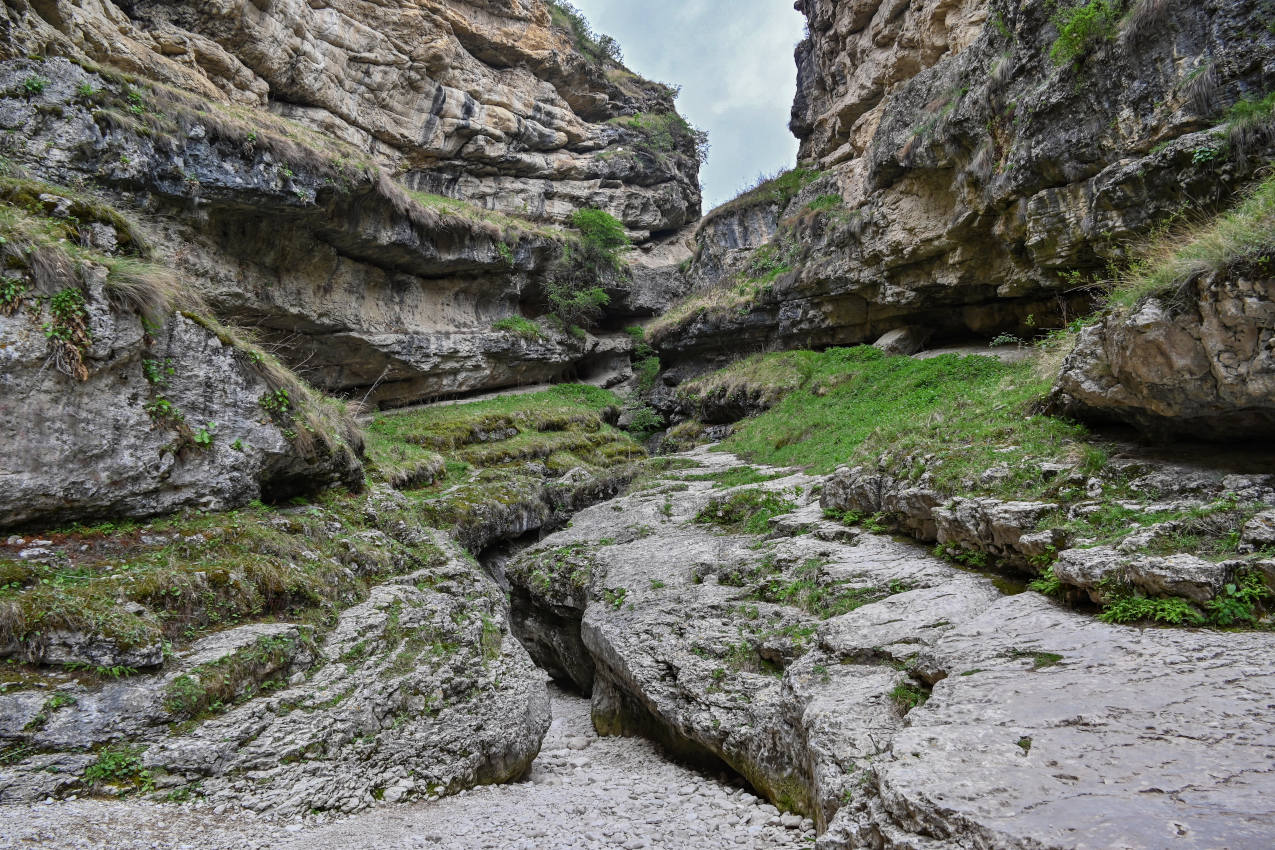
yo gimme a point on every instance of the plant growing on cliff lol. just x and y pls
(601, 49)
(1082, 28)
(1176, 257)
(34, 85)
(519, 325)
(68, 332)
(121, 766)
(12, 290)
(572, 289)
(666, 132)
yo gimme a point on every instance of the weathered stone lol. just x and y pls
(1259, 532)
(93, 448)
(1205, 369)
(904, 341)
(977, 176)
(1021, 687)
(1173, 575)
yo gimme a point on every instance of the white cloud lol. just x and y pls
(733, 59)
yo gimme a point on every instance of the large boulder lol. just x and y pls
(1200, 363)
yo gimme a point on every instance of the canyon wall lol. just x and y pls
(959, 174)
(297, 163)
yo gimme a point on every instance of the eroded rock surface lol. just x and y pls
(889, 695)
(969, 181)
(112, 442)
(419, 690)
(1200, 363)
(304, 182)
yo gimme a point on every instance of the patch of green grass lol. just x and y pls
(564, 569)
(665, 133)
(1244, 233)
(826, 202)
(519, 325)
(805, 586)
(736, 476)
(745, 512)
(907, 696)
(778, 189)
(196, 573)
(228, 681)
(856, 404)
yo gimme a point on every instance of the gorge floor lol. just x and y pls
(583, 792)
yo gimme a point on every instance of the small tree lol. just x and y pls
(574, 291)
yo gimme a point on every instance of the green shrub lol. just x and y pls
(646, 370)
(598, 48)
(1082, 28)
(666, 132)
(645, 422)
(601, 230)
(575, 307)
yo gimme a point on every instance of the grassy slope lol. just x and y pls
(1175, 255)
(851, 405)
(199, 573)
(958, 417)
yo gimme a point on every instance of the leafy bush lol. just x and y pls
(574, 307)
(645, 422)
(602, 232)
(597, 47)
(666, 132)
(572, 289)
(1080, 29)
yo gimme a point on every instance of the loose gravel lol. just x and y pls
(584, 792)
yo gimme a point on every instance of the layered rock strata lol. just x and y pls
(971, 182)
(1200, 363)
(255, 147)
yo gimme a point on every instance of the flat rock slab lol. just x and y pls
(1043, 727)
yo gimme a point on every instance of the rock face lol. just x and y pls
(899, 701)
(420, 690)
(264, 176)
(489, 101)
(1201, 364)
(161, 419)
(980, 181)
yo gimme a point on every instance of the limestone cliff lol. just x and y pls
(963, 172)
(297, 164)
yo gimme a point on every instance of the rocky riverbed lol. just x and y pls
(583, 792)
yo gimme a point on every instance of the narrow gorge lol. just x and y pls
(397, 454)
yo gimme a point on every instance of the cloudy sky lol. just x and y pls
(733, 59)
